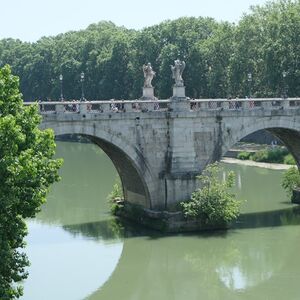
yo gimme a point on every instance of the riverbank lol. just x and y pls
(252, 163)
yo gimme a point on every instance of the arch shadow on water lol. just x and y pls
(281, 217)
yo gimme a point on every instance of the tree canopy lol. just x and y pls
(219, 55)
(27, 169)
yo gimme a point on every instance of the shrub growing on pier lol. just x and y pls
(26, 172)
(116, 195)
(291, 180)
(214, 204)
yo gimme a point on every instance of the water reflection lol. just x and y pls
(283, 217)
(260, 188)
(233, 263)
(107, 230)
(66, 263)
(64, 267)
(222, 266)
(79, 252)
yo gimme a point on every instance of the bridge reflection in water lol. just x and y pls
(240, 262)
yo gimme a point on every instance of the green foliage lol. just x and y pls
(218, 55)
(291, 180)
(275, 155)
(26, 172)
(260, 156)
(117, 191)
(289, 160)
(115, 195)
(244, 155)
(213, 203)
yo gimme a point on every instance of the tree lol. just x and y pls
(210, 59)
(213, 203)
(218, 57)
(27, 169)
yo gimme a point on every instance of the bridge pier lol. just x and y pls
(179, 187)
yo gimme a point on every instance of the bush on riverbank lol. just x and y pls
(275, 155)
(244, 155)
(289, 160)
(291, 180)
(278, 155)
(213, 204)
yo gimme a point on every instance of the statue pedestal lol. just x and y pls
(148, 93)
(178, 92)
(179, 101)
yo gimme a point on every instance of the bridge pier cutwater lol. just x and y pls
(160, 146)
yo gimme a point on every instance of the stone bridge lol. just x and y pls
(159, 146)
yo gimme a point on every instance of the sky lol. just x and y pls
(29, 20)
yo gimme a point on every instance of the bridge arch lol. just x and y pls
(285, 129)
(128, 160)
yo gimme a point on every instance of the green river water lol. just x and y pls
(78, 251)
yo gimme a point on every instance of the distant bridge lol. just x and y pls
(159, 146)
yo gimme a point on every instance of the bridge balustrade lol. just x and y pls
(98, 107)
(140, 106)
(245, 104)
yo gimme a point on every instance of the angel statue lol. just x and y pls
(148, 74)
(177, 70)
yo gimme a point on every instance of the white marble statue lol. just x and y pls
(148, 74)
(177, 70)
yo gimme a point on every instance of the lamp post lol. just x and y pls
(82, 81)
(209, 81)
(284, 74)
(250, 83)
(61, 87)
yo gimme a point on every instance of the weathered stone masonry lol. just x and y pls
(159, 152)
